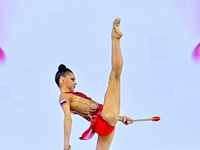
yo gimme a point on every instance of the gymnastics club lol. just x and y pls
(156, 118)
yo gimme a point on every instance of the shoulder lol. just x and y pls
(64, 101)
(65, 98)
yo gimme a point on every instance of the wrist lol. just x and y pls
(120, 118)
(67, 146)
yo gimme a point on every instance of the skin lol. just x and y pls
(68, 83)
(110, 112)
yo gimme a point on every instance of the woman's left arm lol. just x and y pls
(125, 120)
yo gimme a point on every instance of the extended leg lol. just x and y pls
(111, 107)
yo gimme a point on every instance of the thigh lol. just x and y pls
(111, 106)
(104, 142)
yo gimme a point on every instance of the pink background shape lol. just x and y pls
(196, 53)
(2, 56)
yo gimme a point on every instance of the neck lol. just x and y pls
(64, 89)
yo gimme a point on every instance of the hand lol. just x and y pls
(127, 120)
(67, 147)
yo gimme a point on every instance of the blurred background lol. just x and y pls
(160, 76)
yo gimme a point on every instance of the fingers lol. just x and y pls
(127, 121)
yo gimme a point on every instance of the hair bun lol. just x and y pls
(62, 68)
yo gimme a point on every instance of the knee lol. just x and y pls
(116, 74)
(111, 119)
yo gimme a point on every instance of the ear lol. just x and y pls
(62, 80)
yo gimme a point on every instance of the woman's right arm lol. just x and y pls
(67, 123)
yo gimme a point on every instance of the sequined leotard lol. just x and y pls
(98, 124)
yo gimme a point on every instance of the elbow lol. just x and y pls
(68, 120)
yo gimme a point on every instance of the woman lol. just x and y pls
(104, 117)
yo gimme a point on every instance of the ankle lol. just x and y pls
(115, 38)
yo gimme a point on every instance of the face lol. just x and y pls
(69, 81)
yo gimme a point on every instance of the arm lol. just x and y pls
(125, 120)
(67, 122)
(67, 131)
(120, 118)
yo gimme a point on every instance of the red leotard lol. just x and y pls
(98, 124)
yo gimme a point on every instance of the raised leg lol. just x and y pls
(111, 107)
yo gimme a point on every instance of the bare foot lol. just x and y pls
(115, 31)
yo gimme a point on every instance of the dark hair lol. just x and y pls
(62, 70)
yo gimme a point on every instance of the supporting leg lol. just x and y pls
(104, 142)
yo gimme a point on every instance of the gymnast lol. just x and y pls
(104, 117)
